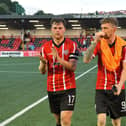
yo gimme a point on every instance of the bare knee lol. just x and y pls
(65, 121)
(116, 122)
(66, 118)
(101, 121)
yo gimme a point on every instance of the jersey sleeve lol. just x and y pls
(74, 52)
(124, 54)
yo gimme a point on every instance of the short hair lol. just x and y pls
(110, 20)
(58, 20)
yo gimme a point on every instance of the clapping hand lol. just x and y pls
(42, 59)
(54, 52)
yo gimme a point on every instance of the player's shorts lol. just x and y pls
(112, 105)
(62, 100)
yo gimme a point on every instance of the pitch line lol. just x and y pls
(7, 121)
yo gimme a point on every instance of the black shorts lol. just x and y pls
(107, 102)
(62, 100)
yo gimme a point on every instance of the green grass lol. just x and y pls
(21, 84)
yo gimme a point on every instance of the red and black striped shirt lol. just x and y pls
(59, 78)
(106, 79)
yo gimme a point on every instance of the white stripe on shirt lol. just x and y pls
(63, 68)
(54, 89)
(105, 85)
(74, 48)
(125, 56)
(42, 51)
(115, 76)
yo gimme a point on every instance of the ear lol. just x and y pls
(115, 28)
(64, 28)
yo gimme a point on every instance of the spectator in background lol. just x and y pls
(31, 46)
(3, 37)
(27, 39)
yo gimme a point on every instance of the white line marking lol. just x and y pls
(28, 72)
(18, 72)
(7, 121)
(4, 123)
(6, 64)
(85, 72)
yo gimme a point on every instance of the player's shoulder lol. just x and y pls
(98, 45)
(69, 41)
(47, 44)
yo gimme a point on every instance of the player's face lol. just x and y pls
(108, 29)
(58, 30)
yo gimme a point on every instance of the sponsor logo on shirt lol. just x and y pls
(66, 52)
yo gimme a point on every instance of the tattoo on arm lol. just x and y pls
(90, 51)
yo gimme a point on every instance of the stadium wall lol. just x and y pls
(19, 53)
(35, 32)
(9, 32)
(121, 32)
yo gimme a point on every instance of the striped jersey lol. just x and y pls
(59, 78)
(106, 79)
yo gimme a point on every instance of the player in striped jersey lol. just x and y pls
(111, 52)
(59, 58)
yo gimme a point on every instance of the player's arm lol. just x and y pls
(43, 65)
(122, 79)
(88, 54)
(70, 65)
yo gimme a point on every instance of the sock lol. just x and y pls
(58, 124)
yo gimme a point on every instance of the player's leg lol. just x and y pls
(117, 108)
(67, 106)
(57, 118)
(116, 122)
(55, 107)
(101, 107)
(101, 119)
(66, 118)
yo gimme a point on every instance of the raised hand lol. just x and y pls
(42, 59)
(118, 89)
(54, 52)
(98, 36)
